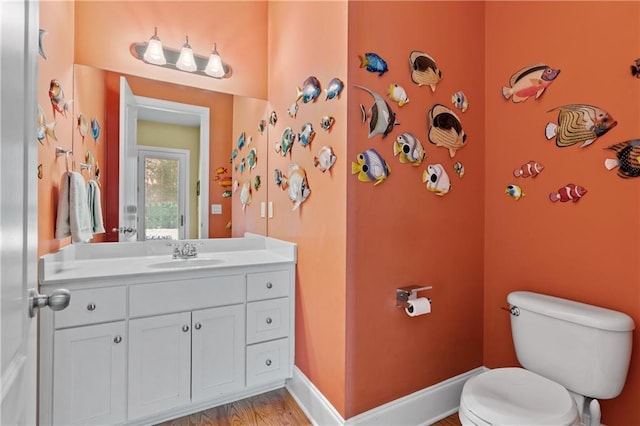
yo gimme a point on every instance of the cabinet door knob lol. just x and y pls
(185, 328)
(269, 320)
(117, 339)
(268, 362)
(197, 326)
(269, 285)
(91, 307)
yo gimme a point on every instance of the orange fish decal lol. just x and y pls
(530, 169)
(529, 81)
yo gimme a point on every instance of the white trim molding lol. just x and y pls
(420, 408)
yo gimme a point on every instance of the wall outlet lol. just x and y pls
(216, 208)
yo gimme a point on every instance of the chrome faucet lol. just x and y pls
(185, 251)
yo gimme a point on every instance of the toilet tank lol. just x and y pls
(585, 348)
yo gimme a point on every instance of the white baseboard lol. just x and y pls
(420, 408)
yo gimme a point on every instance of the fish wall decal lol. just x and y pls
(579, 123)
(325, 159)
(569, 192)
(529, 169)
(409, 148)
(437, 179)
(635, 68)
(628, 158)
(370, 167)
(445, 129)
(382, 119)
(424, 70)
(529, 81)
(373, 63)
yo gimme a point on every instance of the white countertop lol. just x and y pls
(90, 262)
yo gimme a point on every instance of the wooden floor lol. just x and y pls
(275, 408)
(452, 420)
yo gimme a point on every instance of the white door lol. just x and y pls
(163, 193)
(18, 209)
(127, 216)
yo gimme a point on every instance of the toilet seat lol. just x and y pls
(515, 396)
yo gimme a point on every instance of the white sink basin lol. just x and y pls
(186, 263)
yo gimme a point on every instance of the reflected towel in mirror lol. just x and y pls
(73, 211)
(95, 207)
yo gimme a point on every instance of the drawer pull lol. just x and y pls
(268, 362)
(269, 320)
(269, 285)
(117, 339)
(198, 326)
(185, 328)
(91, 307)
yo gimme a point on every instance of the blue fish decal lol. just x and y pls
(370, 167)
(373, 63)
(95, 129)
(309, 91)
(306, 134)
(335, 88)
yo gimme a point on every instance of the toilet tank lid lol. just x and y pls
(569, 310)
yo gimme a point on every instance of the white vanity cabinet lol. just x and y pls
(189, 356)
(89, 359)
(142, 348)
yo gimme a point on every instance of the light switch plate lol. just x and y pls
(216, 208)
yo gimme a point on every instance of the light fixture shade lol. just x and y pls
(154, 53)
(214, 66)
(186, 61)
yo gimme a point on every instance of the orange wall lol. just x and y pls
(58, 44)
(247, 113)
(106, 30)
(399, 233)
(587, 251)
(221, 114)
(300, 46)
(89, 99)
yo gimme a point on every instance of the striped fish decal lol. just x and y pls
(445, 129)
(424, 70)
(579, 123)
(628, 158)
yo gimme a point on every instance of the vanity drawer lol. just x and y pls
(93, 306)
(185, 295)
(267, 320)
(267, 285)
(268, 362)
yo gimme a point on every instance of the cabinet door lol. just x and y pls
(159, 363)
(89, 371)
(218, 359)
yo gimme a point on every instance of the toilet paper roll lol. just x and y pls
(419, 306)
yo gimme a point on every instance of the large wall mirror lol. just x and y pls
(167, 172)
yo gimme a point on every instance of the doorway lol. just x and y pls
(163, 191)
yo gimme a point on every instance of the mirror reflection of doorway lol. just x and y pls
(163, 191)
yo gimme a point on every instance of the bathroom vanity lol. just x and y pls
(147, 338)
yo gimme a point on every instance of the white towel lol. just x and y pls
(73, 210)
(95, 207)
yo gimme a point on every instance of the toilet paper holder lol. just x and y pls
(404, 294)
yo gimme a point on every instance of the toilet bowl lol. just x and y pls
(554, 340)
(515, 396)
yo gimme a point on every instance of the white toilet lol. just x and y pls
(572, 354)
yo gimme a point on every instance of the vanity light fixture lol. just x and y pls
(186, 61)
(214, 66)
(153, 52)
